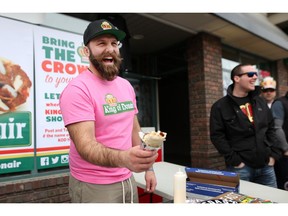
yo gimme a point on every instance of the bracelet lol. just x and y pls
(151, 169)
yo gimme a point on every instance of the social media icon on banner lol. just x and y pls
(64, 159)
(44, 161)
(55, 160)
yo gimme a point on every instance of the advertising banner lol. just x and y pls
(16, 97)
(58, 59)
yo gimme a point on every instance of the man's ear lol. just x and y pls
(236, 79)
(86, 51)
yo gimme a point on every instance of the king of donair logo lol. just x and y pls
(81, 53)
(115, 107)
(15, 129)
(105, 25)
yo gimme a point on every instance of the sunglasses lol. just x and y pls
(249, 74)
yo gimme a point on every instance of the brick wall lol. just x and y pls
(205, 87)
(48, 189)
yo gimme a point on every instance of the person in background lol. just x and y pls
(280, 113)
(269, 94)
(268, 86)
(100, 113)
(242, 129)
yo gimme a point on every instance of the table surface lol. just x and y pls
(165, 171)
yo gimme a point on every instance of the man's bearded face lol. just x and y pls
(108, 72)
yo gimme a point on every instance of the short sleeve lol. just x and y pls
(75, 105)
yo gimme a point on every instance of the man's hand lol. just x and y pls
(241, 165)
(137, 159)
(151, 181)
(271, 161)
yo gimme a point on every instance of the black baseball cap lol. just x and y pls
(100, 27)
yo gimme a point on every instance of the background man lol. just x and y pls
(241, 129)
(268, 87)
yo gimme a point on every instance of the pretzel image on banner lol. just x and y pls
(14, 86)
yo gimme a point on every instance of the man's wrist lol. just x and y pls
(151, 169)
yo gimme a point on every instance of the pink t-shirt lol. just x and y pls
(112, 105)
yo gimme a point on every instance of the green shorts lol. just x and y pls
(82, 192)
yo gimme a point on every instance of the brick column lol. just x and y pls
(282, 78)
(204, 54)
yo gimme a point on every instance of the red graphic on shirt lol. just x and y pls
(247, 110)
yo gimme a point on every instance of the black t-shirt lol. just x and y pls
(246, 107)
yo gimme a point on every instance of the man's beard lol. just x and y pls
(107, 72)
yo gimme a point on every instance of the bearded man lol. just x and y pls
(100, 113)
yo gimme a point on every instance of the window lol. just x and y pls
(232, 57)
